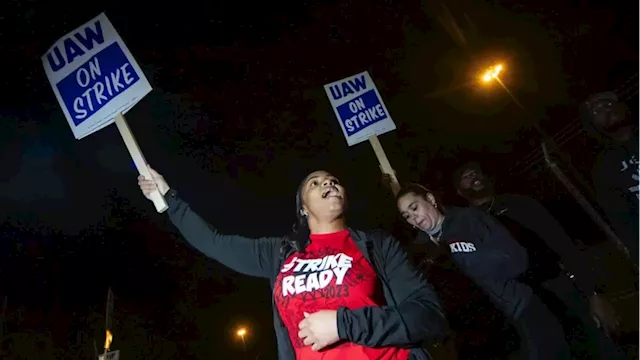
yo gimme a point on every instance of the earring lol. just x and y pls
(304, 213)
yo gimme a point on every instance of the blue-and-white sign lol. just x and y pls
(359, 108)
(94, 76)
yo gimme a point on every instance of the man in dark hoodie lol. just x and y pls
(616, 173)
(550, 250)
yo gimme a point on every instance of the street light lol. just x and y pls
(493, 73)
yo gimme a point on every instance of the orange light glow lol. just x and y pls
(108, 339)
(492, 73)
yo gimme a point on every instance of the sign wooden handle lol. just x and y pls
(141, 164)
(385, 166)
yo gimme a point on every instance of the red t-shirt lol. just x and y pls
(332, 273)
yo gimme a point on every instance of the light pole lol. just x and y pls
(493, 73)
(241, 333)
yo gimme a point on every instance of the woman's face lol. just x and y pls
(323, 197)
(419, 211)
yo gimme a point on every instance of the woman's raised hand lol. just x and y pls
(149, 185)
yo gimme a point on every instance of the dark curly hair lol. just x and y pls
(299, 236)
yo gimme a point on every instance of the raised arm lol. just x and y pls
(254, 257)
(416, 315)
(620, 206)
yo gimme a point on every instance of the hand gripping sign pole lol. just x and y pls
(141, 164)
(96, 80)
(385, 165)
(362, 115)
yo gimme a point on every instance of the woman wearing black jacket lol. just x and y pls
(326, 278)
(485, 252)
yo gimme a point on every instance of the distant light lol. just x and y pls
(108, 339)
(241, 332)
(492, 73)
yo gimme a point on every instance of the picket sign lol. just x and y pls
(362, 114)
(141, 164)
(96, 81)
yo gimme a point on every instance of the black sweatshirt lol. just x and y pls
(484, 250)
(616, 177)
(543, 237)
(412, 313)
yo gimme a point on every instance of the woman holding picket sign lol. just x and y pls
(338, 293)
(486, 253)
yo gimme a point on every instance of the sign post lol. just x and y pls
(362, 114)
(138, 159)
(110, 355)
(96, 80)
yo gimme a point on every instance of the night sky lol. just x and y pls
(238, 117)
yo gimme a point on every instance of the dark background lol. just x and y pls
(237, 118)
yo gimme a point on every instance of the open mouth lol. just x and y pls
(330, 192)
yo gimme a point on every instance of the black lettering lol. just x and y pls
(284, 301)
(323, 293)
(343, 290)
